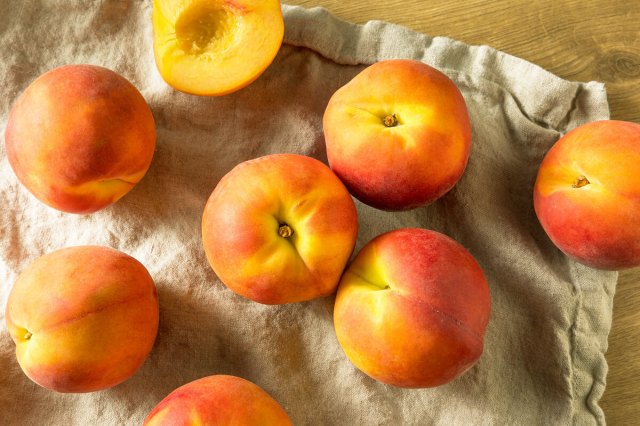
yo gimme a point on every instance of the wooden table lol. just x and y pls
(579, 40)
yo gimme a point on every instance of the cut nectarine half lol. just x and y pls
(215, 47)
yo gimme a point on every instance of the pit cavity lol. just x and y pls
(205, 27)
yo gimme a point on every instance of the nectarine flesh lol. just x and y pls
(215, 47)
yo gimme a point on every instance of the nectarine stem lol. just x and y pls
(27, 335)
(390, 120)
(285, 231)
(580, 182)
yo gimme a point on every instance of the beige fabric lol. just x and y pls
(543, 361)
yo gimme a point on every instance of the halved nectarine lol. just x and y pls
(215, 47)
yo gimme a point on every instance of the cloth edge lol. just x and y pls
(589, 368)
(350, 44)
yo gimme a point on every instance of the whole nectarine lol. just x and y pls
(412, 309)
(80, 137)
(587, 194)
(280, 229)
(82, 318)
(398, 134)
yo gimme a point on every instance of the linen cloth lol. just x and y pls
(543, 361)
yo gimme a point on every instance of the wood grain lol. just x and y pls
(579, 40)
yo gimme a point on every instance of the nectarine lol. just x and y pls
(412, 309)
(280, 229)
(398, 134)
(80, 137)
(587, 194)
(218, 400)
(215, 47)
(82, 318)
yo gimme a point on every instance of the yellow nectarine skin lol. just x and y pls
(82, 318)
(218, 400)
(280, 229)
(587, 194)
(215, 47)
(80, 137)
(398, 134)
(412, 309)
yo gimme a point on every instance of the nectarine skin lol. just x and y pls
(82, 318)
(587, 194)
(412, 309)
(280, 229)
(80, 137)
(218, 400)
(398, 134)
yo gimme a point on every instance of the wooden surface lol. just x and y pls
(579, 40)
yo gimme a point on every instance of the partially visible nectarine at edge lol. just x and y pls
(215, 47)
(218, 400)
(587, 194)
